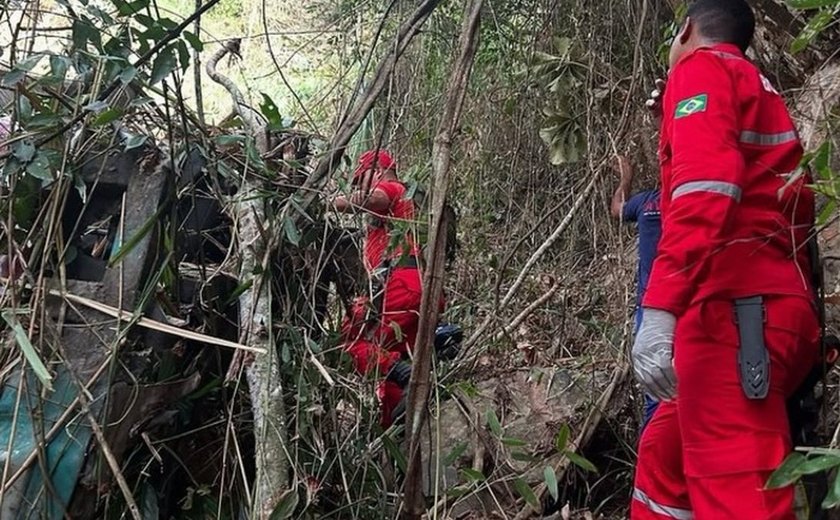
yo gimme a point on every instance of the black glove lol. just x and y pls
(400, 373)
(448, 340)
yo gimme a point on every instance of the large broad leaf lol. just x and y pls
(18, 72)
(819, 463)
(194, 41)
(788, 472)
(28, 350)
(269, 109)
(832, 499)
(163, 65)
(24, 150)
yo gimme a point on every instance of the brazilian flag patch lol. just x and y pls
(691, 106)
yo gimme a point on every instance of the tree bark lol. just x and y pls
(263, 371)
(419, 384)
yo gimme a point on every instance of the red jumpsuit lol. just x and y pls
(382, 329)
(736, 215)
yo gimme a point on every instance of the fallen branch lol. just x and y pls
(419, 385)
(152, 324)
(536, 304)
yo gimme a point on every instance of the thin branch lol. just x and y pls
(419, 385)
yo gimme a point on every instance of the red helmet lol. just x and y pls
(374, 159)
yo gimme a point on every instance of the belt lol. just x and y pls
(409, 261)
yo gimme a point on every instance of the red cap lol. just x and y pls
(374, 159)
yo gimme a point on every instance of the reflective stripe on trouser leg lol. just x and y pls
(732, 444)
(660, 509)
(659, 478)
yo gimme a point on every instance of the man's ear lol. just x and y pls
(687, 29)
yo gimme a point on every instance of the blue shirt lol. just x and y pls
(643, 209)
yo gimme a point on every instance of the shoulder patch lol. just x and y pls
(691, 106)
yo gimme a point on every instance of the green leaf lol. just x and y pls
(135, 141)
(83, 32)
(562, 439)
(811, 4)
(512, 442)
(24, 150)
(112, 114)
(270, 111)
(826, 212)
(526, 492)
(227, 140)
(292, 233)
(123, 248)
(39, 168)
(286, 506)
(832, 499)
(493, 423)
(128, 74)
(788, 472)
(581, 462)
(812, 29)
(194, 41)
(163, 65)
(521, 456)
(819, 463)
(455, 453)
(130, 8)
(551, 482)
(473, 475)
(395, 452)
(183, 54)
(44, 120)
(29, 352)
(18, 72)
(822, 161)
(58, 68)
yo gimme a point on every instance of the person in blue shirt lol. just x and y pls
(641, 208)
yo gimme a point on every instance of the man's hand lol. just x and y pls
(654, 101)
(653, 354)
(622, 193)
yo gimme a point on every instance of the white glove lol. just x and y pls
(654, 101)
(653, 352)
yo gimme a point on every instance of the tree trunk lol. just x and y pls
(263, 371)
(433, 276)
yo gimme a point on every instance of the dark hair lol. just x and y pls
(724, 21)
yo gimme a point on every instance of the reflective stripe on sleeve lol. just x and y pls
(757, 138)
(719, 187)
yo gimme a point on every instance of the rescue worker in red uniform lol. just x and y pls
(730, 283)
(381, 329)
